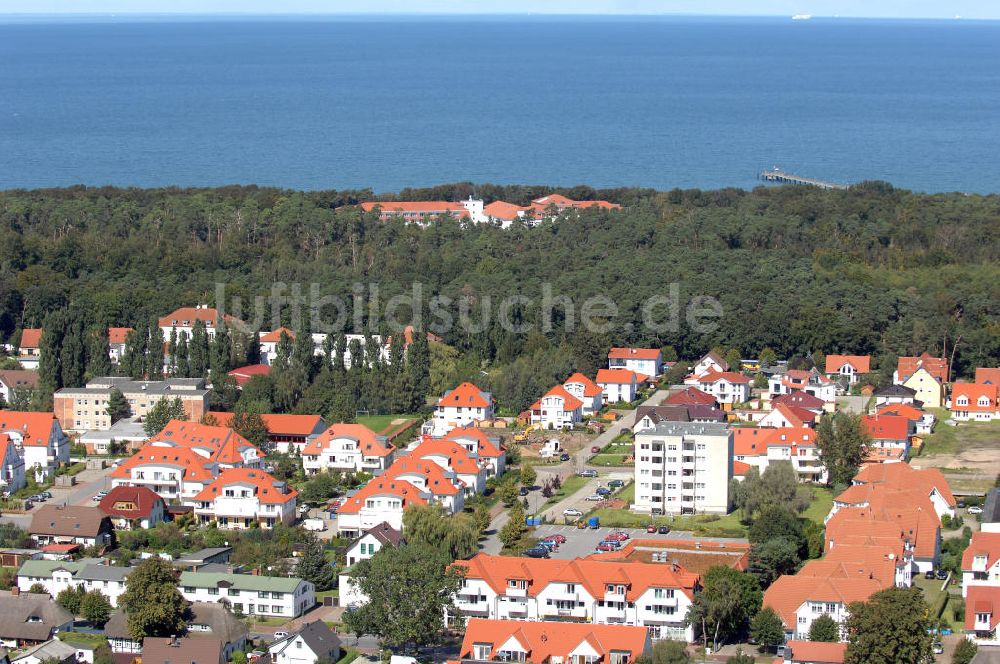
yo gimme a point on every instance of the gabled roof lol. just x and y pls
(437, 480)
(118, 335)
(504, 210)
(899, 391)
(861, 364)
(789, 592)
(988, 375)
(207, 315)
(935, 366)
(243, 374)
(382, 486)
(982, 544)
(274, 336)
(31, 337)
(466, 395)
(369, 444)
(30, 617)
(634, 354)
(547, 641)
(14, 378)
(590, 388)
(750, 441)
(714, 357)
(384, 533)
(617, 376)
(194, 467)
(220, 444)
(485, 447)
(266, 489)
(570, 403)
(982, 599)
(278, 424)
(913, 523)
(143, 500)
(458, 458)
(901, 410)
(317, 636)
(68, 521)
(798, 399)
(816, 652)
(973, 392)
(203, 650)
(690, 395)
(34, 428)
(419, 207)
(716, 376)
(887, 427)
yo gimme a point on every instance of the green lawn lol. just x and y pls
(933, 594)
(378, 423)
(349, 656)
(948, 439)
(610, 460)
(83, 638)
(820, 505)
(570, 485)
(706, 525)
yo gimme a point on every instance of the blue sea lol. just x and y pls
(389, 102)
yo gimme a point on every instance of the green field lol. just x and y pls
(570, 485)
(820, 505)
(703, 524)
(378, 423)
(610, 460)
(948, 439)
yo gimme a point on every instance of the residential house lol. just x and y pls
(70, 524)
(782, 416)
(13, 380)
(895, 394)
(814, 652)
(927, 389)
(242, 375)
(989, 375)
(923, 421)
(454, 459)
(982, 615)
(310, 643)
(284, 431)
(890, 432)
(797, 398)
(711, 362)
(12, 476)
(906, 367)
(695, 555)
(488, 449)
(683, 468)
(917, 527)
(367, 545)
(929, 483)
(728, 387)
(810, 382)
(133, 507)
(251, 594)
(848, 368)
(86, 408)
(442, 485)
(30, 619)
(49, 652)
(518, 641)
(647, 361)
(689, 396)
(380, 500)
(466, 405)
(89, 574)
(587, 392)
(619, 385)
(220, 445)
(29, 349)
(173, 650)
(241, 498)
(217, 622)
(974, 402)
(172, 473)
(651, 595)
(348, 448)
(424, 212)
(981, 561)
(647, 417)
(117, 337)
(184, 319)
(39, 440)
(557, 409)
(760, 447)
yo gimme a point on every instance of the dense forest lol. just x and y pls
(872, 269)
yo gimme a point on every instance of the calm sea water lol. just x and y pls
(355, 102)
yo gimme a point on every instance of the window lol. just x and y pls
(213, 591)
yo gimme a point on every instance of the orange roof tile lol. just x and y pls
(417, 207)
(974, 392)
(887, 427)
(750, 441)
(504, 210)
(903, 476)
(547, 641)
(634, 354)
(195, 467)
(935, 366)
(222, 444)
(817, 652)
(458, 458)
(789, 592)
(616, 376)
(982, 544)
(901, 410)
(982, 599)
(988, 375)
(570, 402)
(31, 337)
(34, 428)
(295, 425)
(437, 481)
(274, 336)
(716, 376)
(382, 486)
(369, 444)
(207, 315)
(466, 395)
(485, 447)
(740, 468)
(862, 364)
(118, 335)
(267, 490)
(590, 388)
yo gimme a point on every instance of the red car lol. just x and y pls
(618, 536)
(606, 546)
(558, 539)
(549, 540)
(651, 528)
(595, 449)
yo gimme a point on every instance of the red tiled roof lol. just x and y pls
(142, 498)
(369, 444)
(274, 336)
(901, 410)
(243, 374)
(935, 366)
(816, 652)
(634, 354)
(31, 337)
(548, 641)
(903, 476)
(504, 210)
(862, 364)
(789, 592)
(118, 335)
(716, 376)
(750, 441)
(294, 425)
(418, 207)
(887, 427)
(973, 392)
(590, 388)
(207, 315)
(988, 375)
(982, 544)
(798, 399)
(486, 448)
(194, 466)
(740, 468)
(222, 443)
(35, 428)
(465, 395)
(570, 402)
(381, 486)
(690, 395)
(436, 480)
(617, 376)
(982, 599)
(267, 490)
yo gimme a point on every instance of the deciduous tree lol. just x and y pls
(824, 628)
(153, 606)
(891, 627)
(843, 443)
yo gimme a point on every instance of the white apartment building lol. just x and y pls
(683, 468)
(466, 405)
(271, 596)
(241, 498)
(347, 448)
(646, 361)
(811, 382)
(618, 385)
(652, 595)
(89, 574)
(39, 440)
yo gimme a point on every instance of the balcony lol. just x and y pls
(516, 592)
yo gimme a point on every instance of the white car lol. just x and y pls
(975, 509)
(572, 511)
(595, 497)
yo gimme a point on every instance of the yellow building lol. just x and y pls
(929, 389)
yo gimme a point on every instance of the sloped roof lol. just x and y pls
(504, 210)
(14, 378)
(466, 395)
(118, 335)
(207, 315)
(244, 374)
(31, 337)
(201, 650)
(68, 521)
(988, 375)
(799, 399)
(730, 376)
(862, 364)
(486, 448)
(15, 610)
(369, 443)
(982, 599)
(546, 641)
(887, 427)
(193, 466)
(570, 402)
(935, 366)
(982, 544)
(143, 498)
(817, 652)
(634, 354)
(266, 489)
(381, 486)
(294, 425)
(690, 395)
(35, 428)
(590, 388)
(617, 376)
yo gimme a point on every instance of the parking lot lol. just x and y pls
(583, 542)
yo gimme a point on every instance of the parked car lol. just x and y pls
(616, 484)
(537, 552)
(617, 536)
(975, 509)
(595, 449)
(929, 574)
(587, 472)
(603, 490)
(938, 648)
(280, 635)
(523, 491)
(581, 525)
(594, 497)
(614, 544)
(960, 504)
(941, 575)
(46, 495)
(606, 546)
(663, 530)
(572, 511)
(651, 528)
(548, 544)
(564, 456)
(99, 496)
(561, 539)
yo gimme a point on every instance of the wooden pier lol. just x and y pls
(777, 175)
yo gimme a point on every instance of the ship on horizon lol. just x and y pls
(802, 17)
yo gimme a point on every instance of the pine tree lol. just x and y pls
(396, 354)
(99, 352)
(154, 358)
(222, 350)
(162, 413)
(73, 355)
(314, 567)
(118, 407)
(303, 350)
(181, 360)
(172, 352)
(134, 358)
(329, 348)
(418, 364)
